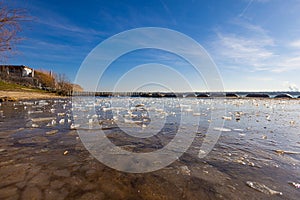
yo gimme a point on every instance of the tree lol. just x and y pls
(45, 79)
(10, 26)
(64, 86)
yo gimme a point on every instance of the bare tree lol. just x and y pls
(64, 85)
(10, 20)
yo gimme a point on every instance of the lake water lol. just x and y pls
(257, 155)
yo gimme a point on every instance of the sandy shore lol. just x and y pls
(20, 95)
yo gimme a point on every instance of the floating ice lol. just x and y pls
(61, 114)
(51, 132)
(74, 126)
(41, 119)
(262, 188)
(34, 125)
(281, 152)
(222, 129)
(238, 130)
(296, 185)
(227, 118)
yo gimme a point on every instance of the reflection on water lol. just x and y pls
(42, 156)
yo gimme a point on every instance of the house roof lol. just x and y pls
(21, 66)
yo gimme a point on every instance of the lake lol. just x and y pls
(51, 149)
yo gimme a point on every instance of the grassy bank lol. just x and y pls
(5, 86)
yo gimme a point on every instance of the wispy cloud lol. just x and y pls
(255, 50)
(286, 63)
(265, 79)
(246, 8)
(249, 4)
(166, 8)
(245, 51)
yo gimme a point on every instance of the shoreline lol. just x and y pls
(27, 95)
(32, 95)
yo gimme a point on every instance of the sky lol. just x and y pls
(254, 44)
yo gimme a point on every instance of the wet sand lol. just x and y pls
(42, 158)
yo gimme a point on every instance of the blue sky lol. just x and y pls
(254, 43)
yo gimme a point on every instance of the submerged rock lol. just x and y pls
(285, 95)
(9, 193)
(32, 193)
(12, 174)
(202, 95)
(258, 95)
(232, 95)
(36, 139)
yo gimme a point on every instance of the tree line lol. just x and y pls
(52, 82)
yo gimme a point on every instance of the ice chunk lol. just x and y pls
(34, 126)
(51, 132)
(296, 185)
(227, 118)
(222, 129)
(74, 126)
(262, 188)
(41, 119)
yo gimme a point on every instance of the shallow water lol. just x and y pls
(43, 157)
